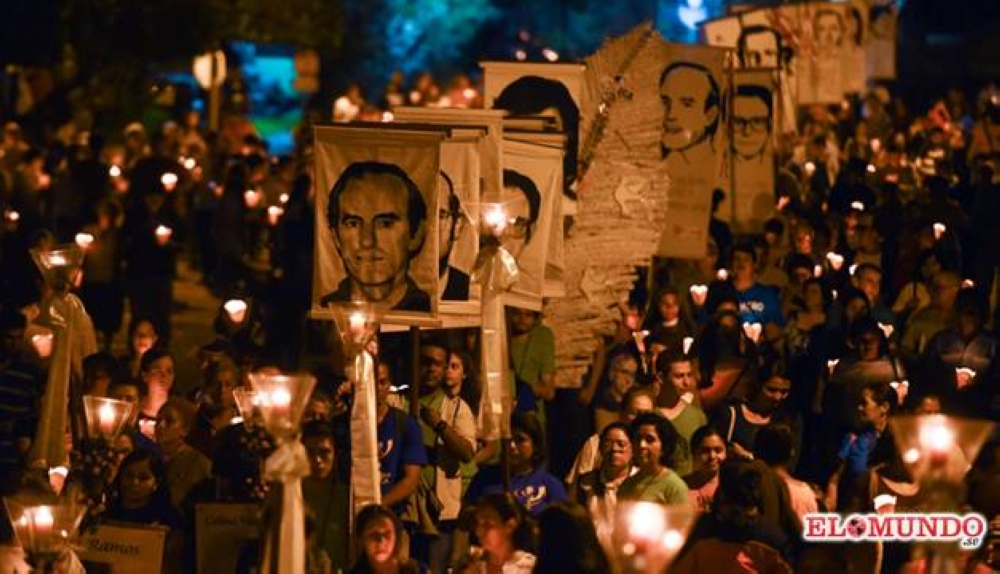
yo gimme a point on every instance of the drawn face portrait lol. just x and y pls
(515, 236)
(751, 126)
(373, 233)
(688, 113)
(828, 32)
(448, 218)
(760, 49)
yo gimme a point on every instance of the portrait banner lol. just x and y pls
(751, 192)
(376, 225)
(221, 530)
(531, 178)
(880, 50)
(125, 549)
(556, 90)
(822, 57)
(693, 143)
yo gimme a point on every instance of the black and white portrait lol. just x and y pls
(377, 208)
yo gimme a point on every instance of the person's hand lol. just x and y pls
(430, 416)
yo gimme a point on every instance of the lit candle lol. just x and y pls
(688, 341)
(876, 145)
(871, 168)
(722, 274)
(356, 325)
(281, 401)
(273, 214)
(190, 163)
(939, 229)
(163, 234)
(902, 389)
(169, 181)
(836, 260)
(283, 198)
(44, 521)
(887, 330)
(937, 440)
(817, 271)
(106, 419)
(495, 218)
(84, 240)
(964, 376)
(43, 344)
(115, 171)
(968, 283)
(857, 206)
(852, 269)
(57, 260)
(12, 216)
(783, 202)
(810, 168)
(236, 309)
(251, 198)
(831, 365)
(698, 294)
(752, 331)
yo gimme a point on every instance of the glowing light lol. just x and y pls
(857, 206)
(887, 330)
(692, 14)
(550, 54)
(169, 181)
(12, 216)
(251, 198)
(688, 341)
(236, 309)
(388, 117)
(274, 213)
(115, 171)
(84, 240)
(752, 331)
(936, 437)
(836, 260)
(495, 218)
(722, 274)
(520, 55)
(852, 269)
(817, 271)
(871, 168)
(939, 230)
(283, 198)
(911, 456)
(968, 283)
(189, 163)
(698, 294)
(810, 168)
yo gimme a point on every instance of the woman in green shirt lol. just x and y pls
(654, 441)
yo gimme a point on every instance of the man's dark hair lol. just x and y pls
(761, 93)
(454, 205)
(775, 444)
(712, 100)
(531, 95)
(318, 429)
(529, 425)
(667, 358)
(436, 340)
(741, 44)
(416, 208)
(746, 247)
(516, 179)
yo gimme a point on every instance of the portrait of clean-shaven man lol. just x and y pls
(378, 222)
(691, 110)
(453, 283)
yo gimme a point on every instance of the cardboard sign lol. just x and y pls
(126, 549)
(221, 530)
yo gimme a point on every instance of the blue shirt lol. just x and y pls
(855, 449)
(395, 452)
(760, 304)
(534, 491)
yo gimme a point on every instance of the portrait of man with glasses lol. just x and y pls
(522, 202)
(752, 122)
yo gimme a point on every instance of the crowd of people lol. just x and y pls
(755, 384)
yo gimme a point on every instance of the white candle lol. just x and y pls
(115, 171)
(831, 365)
(12, 216)
(817, 271)
(871, 168)
(84, 240)
(495, 218)
(722, 274)
(857, 206)
(169, 181)
(876, 145)
(752, 331)
(163, 234)
(43, 344)
(836, 260)
(106, 419)
(968, 283)
(939, 229)
(964, 376)
(887, 330)
(810, 168)
(283, 198)
(189, 163)
(938, 440)
(281, 401)
(273, 214)
(698, 294)
(688, 341)
(783, 202)
(44, 522)
(251, 198)
(57, 260)
(236, 309)
(356, 325)
(852, 268)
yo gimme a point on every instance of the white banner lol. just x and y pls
(378, 242)
(532, 177)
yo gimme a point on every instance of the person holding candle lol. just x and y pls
(101, 291)
(21, 384)
(325, 495)
(157, 373)
(142, 336)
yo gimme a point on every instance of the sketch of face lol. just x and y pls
(515, 236)
(761, 49)
(686, 120)
(373, 233)
(828, 32)
(751, 126)
(447, 221)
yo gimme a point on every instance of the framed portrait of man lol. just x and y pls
(531, 177)
(376, 229)
(751, 197)
(693, 144)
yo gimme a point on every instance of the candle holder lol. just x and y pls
(644, 537)
(106, 418)
(45, 528)
(357, 325)
(282, 399)
(60, 266)
(248, 403)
